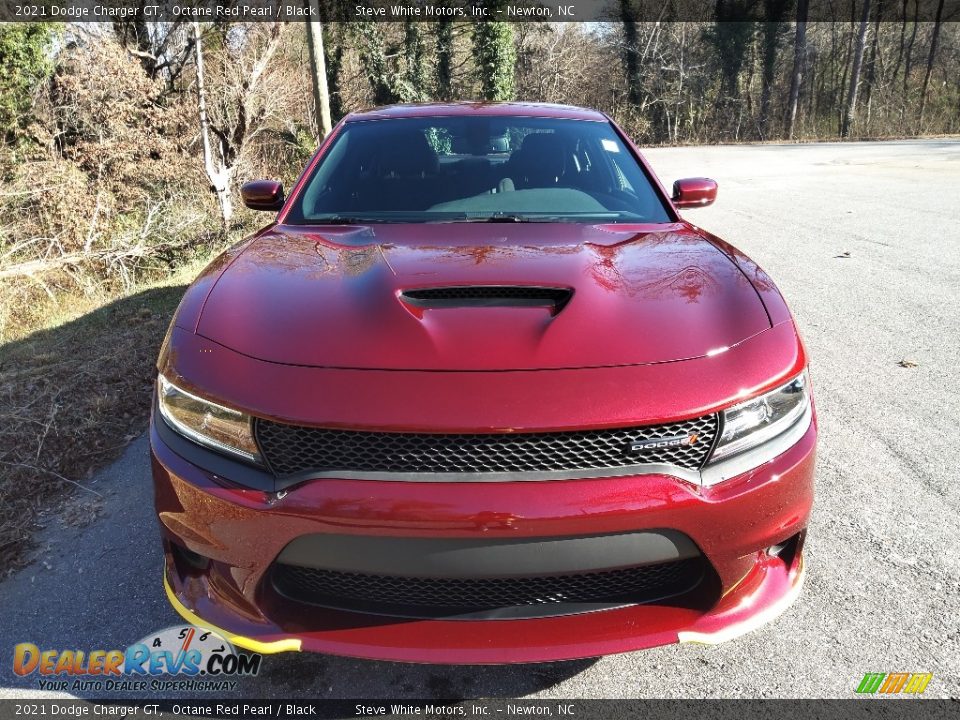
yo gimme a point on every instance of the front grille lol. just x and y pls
(425, 596)
(293, 449)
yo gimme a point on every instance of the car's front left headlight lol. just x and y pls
(759, 429)
(207, 423)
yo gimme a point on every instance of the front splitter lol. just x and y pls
(767, 591)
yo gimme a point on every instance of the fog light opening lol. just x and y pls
(788, 550)
(188, 561)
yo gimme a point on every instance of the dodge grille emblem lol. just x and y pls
(669, 442)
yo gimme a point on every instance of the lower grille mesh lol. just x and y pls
(351, 591)
(292, 449)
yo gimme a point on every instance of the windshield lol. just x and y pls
(478, 169)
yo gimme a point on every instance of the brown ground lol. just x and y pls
(72, 396)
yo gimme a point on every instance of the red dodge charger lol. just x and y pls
(479, 394)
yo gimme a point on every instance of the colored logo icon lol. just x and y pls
(894, 683)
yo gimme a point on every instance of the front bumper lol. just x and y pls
(238, 533)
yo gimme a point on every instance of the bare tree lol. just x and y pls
(771, 33)
(632, 57)
(239, 120)
(318, 72)
(903, 40)
(734, 41)
(872, 62)
(933, 54)
(799, 58)
(217, 173)
(851, 105)
(163, 49)
(639, 53)
(908, 54)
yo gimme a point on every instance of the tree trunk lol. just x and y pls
(444, 60)
(957, 116)
(840, 88)
(903, 40)
(333, 56)
(495, 55)
(909, 52)
(747, 90)
(631, 53)
(933, 53)
(415, 87)
(771, 32)
(872, 62)
(851, 107)
(799, 57)
(217, 173)
(318, 71)
(813, 90)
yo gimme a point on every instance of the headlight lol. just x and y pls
(756, 421)
(206, 423)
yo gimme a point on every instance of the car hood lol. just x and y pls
(333, 297)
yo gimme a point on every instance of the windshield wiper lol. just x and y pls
(348, 220)
(502, 218)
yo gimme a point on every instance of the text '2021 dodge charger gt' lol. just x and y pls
(480, 395)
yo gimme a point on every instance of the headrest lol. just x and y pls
(540, 159)
(406, 155)
(542, 143)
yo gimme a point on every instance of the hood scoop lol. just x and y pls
(459, 296)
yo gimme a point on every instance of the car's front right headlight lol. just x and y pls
(206, 423)
(757, 430)
(763, 418)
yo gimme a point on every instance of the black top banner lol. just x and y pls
(468, 10)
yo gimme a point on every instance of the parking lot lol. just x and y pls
(863, 239)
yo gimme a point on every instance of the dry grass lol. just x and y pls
(73, 393)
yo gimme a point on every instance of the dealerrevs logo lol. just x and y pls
(202, 659)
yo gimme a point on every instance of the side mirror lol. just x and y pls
(694, 192)
(262, 194)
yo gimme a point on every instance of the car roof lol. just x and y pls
(488, 109)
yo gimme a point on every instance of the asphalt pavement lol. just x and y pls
(863, 239)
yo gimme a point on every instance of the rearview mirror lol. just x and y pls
(262, 194)
(694, 192)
